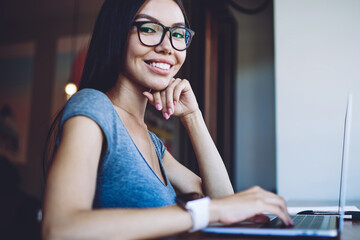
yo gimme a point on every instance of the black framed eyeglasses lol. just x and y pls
(151, 34)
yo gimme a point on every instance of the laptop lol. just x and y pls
(305, 225)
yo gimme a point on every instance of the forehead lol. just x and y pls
(166, 12)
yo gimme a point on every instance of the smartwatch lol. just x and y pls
(198, 207)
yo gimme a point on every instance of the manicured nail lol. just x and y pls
(158, 107)
(174, 102)
(166, 116)
(290, 223)
(170, 111)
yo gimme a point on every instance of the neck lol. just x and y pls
(129, 98)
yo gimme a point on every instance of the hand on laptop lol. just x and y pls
(249, 205)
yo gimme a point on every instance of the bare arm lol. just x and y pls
(70, 190)
(214, 177)
(179, 100)
(180, 177)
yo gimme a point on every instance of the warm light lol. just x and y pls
(70, 89)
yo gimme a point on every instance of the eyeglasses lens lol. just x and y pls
(151, 34)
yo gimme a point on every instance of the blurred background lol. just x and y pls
(271, 78)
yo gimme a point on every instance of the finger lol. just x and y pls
(272, 202)
(149, 96)
(260, 218)
(157, 101)
(269, 197)
(163, 101)
(284, 216)
(169, 96)
(274, 199)
(179, 88)
(275, 209)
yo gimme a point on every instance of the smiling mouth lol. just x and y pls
(163, 66)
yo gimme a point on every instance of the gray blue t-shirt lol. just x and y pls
(124, 180)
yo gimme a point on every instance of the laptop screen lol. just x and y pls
(344, 164)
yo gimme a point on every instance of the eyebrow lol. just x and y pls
(142, 15)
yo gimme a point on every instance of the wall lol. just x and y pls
(317, 54)
(41, 23)
(255, 101)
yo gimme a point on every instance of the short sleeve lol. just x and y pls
(94, 105)
(159, 145)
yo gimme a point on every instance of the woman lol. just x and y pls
(110, 177)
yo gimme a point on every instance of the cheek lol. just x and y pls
(181, 56)
(134, 53)
(134, 47)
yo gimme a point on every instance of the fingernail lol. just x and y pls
(170, 111)
(166, 116)
(158, 107)
(290, 223)
(174, 102)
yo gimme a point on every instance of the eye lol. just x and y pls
(178, 33)
(147, 29)
(150, 28)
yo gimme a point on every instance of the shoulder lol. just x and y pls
(93, 104)
(89, 99)
(88, 102)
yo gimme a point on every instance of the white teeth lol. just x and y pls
(160, 65)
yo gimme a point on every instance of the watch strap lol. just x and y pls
(199, 211)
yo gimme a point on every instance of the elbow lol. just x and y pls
(47, 233)
(50, 233)
(53, 232)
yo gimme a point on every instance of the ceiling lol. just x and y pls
(32, 10)
(22, 20)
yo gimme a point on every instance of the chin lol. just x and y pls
(160, 84)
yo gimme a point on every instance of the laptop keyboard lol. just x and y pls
(300, 222)
(308, 222)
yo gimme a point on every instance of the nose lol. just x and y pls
(165, 46)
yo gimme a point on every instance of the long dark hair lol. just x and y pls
(105, 57)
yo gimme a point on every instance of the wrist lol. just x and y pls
(214, 211)
(199, 208)
(191, 118)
